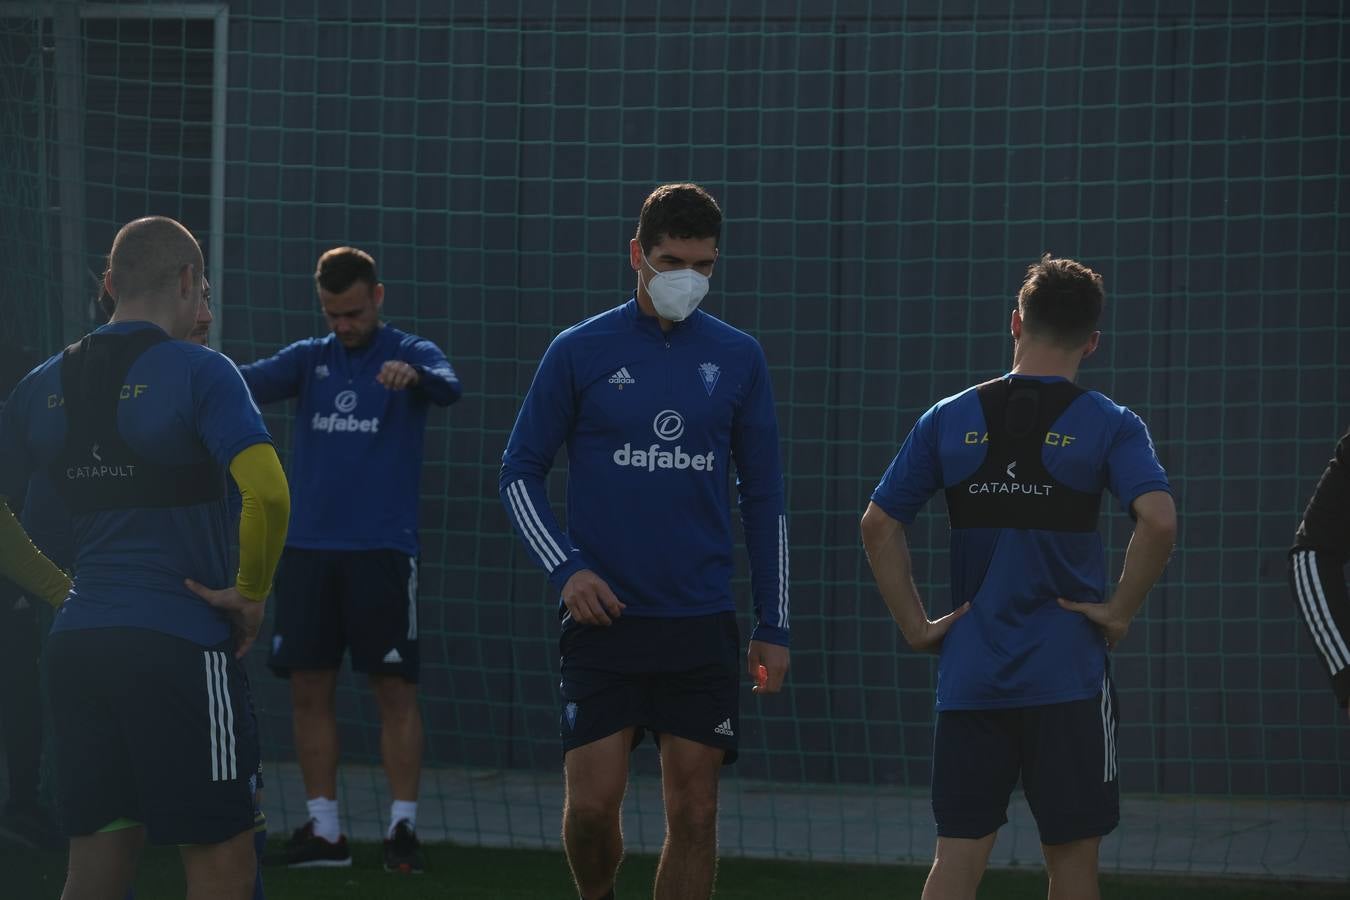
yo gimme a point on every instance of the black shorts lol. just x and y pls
(329, 600)
(669, 676)
(154, 728)
(1065, 754)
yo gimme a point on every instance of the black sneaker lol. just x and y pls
(403, 851)
(307, 850)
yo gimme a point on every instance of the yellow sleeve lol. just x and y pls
(24, 564)
(263, 519)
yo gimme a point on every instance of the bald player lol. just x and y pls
(201, 332)
(201, 326)
(135, 428)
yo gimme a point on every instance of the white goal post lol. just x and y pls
(65, 16)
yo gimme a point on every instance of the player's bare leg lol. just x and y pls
(316, 732)
(689, 773)
(102, 866)
(1073, 869)
(596, 776)
(400, 734)
(958, 866)
(224, 871)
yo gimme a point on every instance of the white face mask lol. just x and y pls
(677, 293)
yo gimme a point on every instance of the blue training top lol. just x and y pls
(356, 462)
(1016, 646)
(181, 404)
(652, 423)
(48, 524)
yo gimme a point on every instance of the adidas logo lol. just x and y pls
(393, 657)
(622, 377)
(725, 728)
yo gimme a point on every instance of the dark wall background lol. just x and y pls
(887, 174)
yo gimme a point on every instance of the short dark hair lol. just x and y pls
(342, 267)
(1061, 300)
(678, 211)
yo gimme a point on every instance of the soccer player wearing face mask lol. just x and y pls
(654, 400)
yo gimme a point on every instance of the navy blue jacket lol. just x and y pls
(652, 423)
(356, 460)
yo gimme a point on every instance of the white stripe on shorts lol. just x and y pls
(1108, 732)
(232, 754)
(412, 599)
(220, 713)
(211, 715)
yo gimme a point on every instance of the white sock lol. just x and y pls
(324, 812)
(399, 811)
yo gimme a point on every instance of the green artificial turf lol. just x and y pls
(471, 872)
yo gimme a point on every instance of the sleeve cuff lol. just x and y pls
(1340, 683)
(574, 564)
(770, 634)
(1141, 490)
(903, 516)
(435, 385)
(250, 594)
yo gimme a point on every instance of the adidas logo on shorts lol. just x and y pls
(393, 656)
(725, 728)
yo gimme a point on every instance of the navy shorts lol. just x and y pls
(330, 600)
(1065, 754)
(667, 676)
(154, 728)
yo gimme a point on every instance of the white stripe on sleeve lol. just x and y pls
(539, 523)
(1315, 577)
(527, 527)
(1308, 589)
(782, 572)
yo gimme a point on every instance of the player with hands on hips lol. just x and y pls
(1024, 689)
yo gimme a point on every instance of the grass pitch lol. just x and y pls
(491, 874)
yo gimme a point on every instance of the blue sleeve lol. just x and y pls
(546, 419)
(15, 462)
(439, 384)
(228, 421)
(1132, 466)
(278, 377)
(759, 484)
(914, 475)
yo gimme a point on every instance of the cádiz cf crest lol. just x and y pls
(709, 372)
